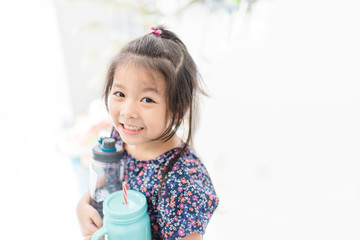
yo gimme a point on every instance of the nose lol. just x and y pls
(129, 109)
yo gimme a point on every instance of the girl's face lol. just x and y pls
(137, 105)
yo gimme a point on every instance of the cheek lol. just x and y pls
(113, 109)
(157, 119)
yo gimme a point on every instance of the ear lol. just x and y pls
(184, 117)
(176, 118)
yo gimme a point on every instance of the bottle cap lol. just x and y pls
(107, 151)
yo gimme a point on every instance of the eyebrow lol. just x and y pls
(150, 89)
(145, 89)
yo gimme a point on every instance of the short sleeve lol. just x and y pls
(186, 206)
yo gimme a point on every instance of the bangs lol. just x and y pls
(158, 64)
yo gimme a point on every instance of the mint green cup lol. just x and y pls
(129, 221)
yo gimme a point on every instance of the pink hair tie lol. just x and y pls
(156, 30)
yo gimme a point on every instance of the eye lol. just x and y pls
(119, 94)
(147, 100)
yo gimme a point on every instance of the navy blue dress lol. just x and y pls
(186, 202)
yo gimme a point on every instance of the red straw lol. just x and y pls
(124, 192)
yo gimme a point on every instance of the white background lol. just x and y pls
(279, 135)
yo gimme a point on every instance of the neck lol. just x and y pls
(153, 149)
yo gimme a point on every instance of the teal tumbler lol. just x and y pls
(122, 221)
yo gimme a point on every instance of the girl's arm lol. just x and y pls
(193, 236)
(89, 219)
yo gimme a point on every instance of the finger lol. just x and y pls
(97, 220)
(88, 237)
(90, 229)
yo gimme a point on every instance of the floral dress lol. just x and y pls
(186, 202)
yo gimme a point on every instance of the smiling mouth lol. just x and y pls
(131, 128)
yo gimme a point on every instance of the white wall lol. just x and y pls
(37, 188)
(281, 132)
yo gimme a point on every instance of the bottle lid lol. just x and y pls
(107, 151)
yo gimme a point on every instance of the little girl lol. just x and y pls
(150, 91)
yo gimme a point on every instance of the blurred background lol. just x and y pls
(279, 133)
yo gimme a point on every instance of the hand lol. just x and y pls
(89, 238)
(89, 219)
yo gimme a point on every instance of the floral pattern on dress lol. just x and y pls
(188, 198)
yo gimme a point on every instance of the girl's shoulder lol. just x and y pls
(190, 172)
(188, 163)
(188, 199)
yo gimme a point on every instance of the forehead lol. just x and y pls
(139, 75)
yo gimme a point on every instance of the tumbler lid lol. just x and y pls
(107, 150)
(117, 210)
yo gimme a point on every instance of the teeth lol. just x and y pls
(131, 127)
